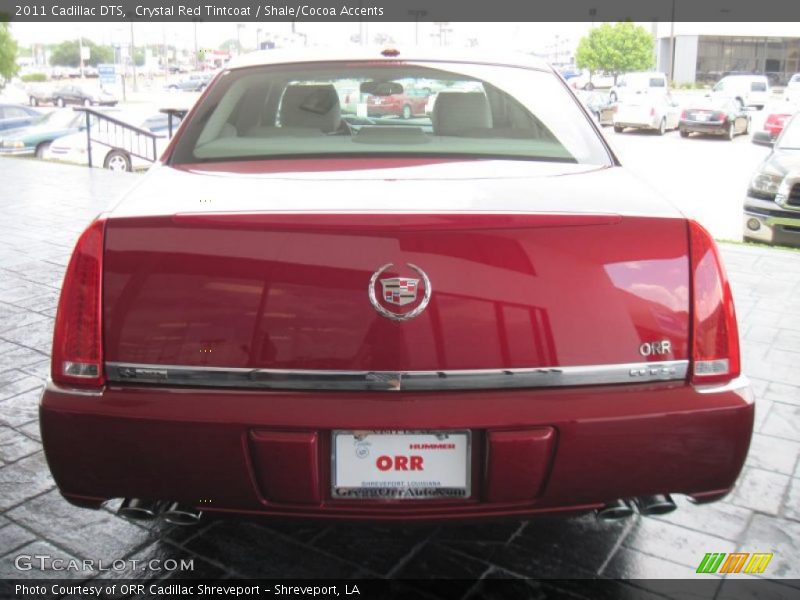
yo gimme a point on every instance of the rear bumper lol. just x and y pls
(383, 111)
(714, 128)
(650, 123)
(203, 447)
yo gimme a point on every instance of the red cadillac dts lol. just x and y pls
(307, 311)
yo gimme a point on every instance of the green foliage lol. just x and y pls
(67, 54)
(616, 49)
(34, 77)
(229, 45)
(8, 53)
(138, 57)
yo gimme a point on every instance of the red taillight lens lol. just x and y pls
(684, 115)
(77, 340)
(652, 112)
(718, 116)
(715, 335)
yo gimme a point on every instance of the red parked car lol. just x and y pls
(775, 123)
(407, 104)
(304, 314)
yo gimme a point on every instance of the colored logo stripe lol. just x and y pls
(710, 563)
(758, 563)
(734, 563)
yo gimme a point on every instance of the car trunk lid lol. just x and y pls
(507, 290)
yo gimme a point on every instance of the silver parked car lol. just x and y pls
(655, 111)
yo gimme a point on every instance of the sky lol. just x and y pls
(541, 38)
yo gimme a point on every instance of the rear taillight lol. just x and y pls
(652, 112)
(684, 115)
(715, 335)
(718, 116)
(77, 340)
(775, 122)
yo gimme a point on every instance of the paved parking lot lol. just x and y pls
(704, 176)
(45, 206)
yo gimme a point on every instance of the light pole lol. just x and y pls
(239, 27)
(417, 14)
(133, 57)
(80, 52)
(672, 44)
(442, 34)
(196, 55)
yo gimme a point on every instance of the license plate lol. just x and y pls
(405, 465)
(701, 116)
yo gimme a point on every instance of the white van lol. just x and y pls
(633, 83)
(747, 90)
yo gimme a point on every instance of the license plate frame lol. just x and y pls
(411, 491)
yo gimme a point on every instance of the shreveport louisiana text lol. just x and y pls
(257, 11)
(175, 589)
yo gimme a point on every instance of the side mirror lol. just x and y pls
(762, 138)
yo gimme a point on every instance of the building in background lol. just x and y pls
(705, 52)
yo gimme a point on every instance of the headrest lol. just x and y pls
(310, 107)
(457, 112)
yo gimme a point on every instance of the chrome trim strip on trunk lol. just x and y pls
(481, 379)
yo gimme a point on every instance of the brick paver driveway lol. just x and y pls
(43, 207)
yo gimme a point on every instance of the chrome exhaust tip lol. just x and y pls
(613, 511)
(180, 514)
(137, 509)
(657, 504)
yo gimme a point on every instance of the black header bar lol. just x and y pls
(266, 11)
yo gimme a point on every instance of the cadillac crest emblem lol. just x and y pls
(400, 292)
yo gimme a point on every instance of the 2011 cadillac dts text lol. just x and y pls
(465, 310)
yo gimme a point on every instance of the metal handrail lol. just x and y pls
(133, 130)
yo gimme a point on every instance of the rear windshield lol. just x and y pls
(344, 109)
(715, 104)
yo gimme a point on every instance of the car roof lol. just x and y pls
(384, 54)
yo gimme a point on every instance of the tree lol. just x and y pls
(229, 45)
(8, 53)
(67, 54)
(616, 49)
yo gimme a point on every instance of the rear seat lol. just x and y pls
(305, 110)
(468, 114)
(465, 114)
